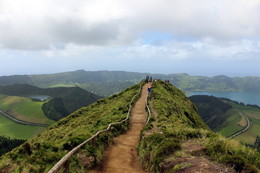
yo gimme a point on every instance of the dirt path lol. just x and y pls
(122, 157)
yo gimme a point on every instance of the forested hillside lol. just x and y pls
(7, 144)
(63, 101)
(212, 110)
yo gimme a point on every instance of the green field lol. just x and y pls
(249, 136)
(230, 126)
(15, 130)
(253, 114)
(24, 108)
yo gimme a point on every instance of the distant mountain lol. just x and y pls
(217, 83)
(106, 83)
(64, 101)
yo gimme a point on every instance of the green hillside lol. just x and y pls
(177, 139)
(41, 153)
(211, 109)
(63, 101)
(24, 108)
(224, 116)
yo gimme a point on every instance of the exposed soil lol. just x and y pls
(242, 122)
(121, 157)
(195, 165)
(192, 147)
(195, 161)
(7, 169)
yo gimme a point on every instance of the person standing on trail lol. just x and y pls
(149, 90)
(147, 79)
(151, 79)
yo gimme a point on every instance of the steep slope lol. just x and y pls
(66, 103)
(228, 117)
(177, 140)
(41, 153)
(212, 110)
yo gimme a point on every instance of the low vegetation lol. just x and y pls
(177, 122)
(41, 153)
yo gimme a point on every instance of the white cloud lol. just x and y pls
(37, 24)
(204, 49)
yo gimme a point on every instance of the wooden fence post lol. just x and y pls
(66, 167)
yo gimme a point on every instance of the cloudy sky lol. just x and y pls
(198, 37)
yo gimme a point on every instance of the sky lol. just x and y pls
(198, 37)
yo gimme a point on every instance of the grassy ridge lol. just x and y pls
(41, 153)
(178, 122)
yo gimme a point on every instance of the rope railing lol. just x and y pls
(148, 110)
(66, 158)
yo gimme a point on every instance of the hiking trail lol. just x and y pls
(121, 157)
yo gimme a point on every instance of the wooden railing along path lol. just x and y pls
(64, 161)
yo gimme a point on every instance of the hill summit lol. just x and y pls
(175, 138)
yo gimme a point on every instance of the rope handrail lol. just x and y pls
(148, 110)
(67, 156)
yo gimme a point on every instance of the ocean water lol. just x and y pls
(245, 97)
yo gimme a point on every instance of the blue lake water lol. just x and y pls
(245, 97)
(40, 97)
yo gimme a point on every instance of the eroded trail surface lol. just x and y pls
(121, 157)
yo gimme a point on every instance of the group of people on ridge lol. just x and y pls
(149, 79)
